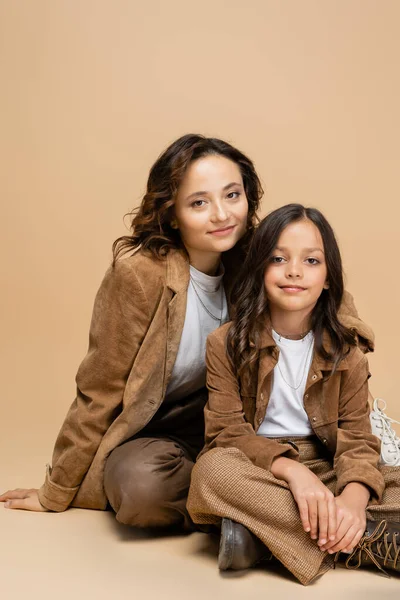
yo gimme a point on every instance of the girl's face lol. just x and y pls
(211, 208)
(297, 273)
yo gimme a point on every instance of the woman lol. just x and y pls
(136, 426)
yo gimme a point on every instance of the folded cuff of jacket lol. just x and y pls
(55, 497)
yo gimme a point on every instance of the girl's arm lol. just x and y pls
(348, 316)
(358, 450)
(225, 422)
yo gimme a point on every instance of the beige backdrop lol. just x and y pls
(92, 91)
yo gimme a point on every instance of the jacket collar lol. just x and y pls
(177, 270)
(318, 362)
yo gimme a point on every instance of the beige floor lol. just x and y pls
(86, 554)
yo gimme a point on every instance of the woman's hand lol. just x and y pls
(351, 518)
(22, 499)
(315, 502)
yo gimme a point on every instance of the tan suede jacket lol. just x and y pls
(136, 327)
(337, 408)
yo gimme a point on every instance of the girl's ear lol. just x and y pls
(174, 224)
(326, 285)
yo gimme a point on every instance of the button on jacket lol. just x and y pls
(337, 408)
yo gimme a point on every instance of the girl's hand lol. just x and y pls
(315, 502)
(23, 499)
(351, 518)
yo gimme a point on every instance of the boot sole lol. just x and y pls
(226, 545)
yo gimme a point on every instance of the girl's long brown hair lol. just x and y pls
(251, 303)
(151, 221)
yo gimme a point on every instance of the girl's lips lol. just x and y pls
(222, 232)
(292, 289)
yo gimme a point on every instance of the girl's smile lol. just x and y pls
(296, 274)
(292, 289)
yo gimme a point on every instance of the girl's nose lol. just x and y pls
(293, 270)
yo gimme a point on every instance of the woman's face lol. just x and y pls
(211, 208)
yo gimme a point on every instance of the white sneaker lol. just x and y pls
(381, 427)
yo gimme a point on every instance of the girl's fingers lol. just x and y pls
(303, 510)
(323, 517)
(344, 540)
(332, 527)
(338, 521)
(313, 517)
(353, 543)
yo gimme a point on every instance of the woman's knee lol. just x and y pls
(148, 489)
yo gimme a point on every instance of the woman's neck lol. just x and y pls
(205, 262)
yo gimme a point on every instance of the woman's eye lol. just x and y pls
(277, 259)
(313, 261)
(198, 203)
(233, 195)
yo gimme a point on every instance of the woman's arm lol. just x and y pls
(120, 320)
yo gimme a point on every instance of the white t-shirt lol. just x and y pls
(205, 293)
(285, 414)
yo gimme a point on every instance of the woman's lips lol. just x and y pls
(223, 231)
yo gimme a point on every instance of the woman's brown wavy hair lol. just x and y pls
(151, 221)
(250, 299)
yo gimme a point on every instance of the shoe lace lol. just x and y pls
(383, 550)
(388, 434)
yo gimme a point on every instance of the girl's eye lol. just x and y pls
(313, 261)
(233, 195)
(277, 259)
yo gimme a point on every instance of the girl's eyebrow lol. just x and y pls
(307, 250)
(203, 193)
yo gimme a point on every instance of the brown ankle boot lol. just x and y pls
(379, 546)
(239, 548)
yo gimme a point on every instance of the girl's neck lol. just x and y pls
(293, 325)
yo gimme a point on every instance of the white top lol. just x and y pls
(205, 293)
(285, 414)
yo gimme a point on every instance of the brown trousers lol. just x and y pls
(146, 479)
(226, 484)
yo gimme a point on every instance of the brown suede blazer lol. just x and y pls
(136, 327)
(337, 408)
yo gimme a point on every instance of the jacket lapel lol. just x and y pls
(177, 282)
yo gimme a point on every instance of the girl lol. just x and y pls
(133, 432)
(290, 465)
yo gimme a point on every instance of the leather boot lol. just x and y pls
(239, 548)
(380, 546)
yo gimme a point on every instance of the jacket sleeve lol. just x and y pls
(348, 316)
(225, 422)
(358, 450)
(119, 323)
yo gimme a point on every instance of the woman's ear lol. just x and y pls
(174, 224)
(326, 285)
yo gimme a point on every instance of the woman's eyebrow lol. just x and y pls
(202, 193)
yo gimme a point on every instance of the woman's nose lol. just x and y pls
(220, 212)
